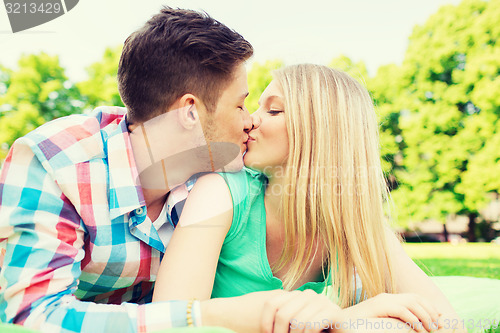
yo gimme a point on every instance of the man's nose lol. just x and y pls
(247, 121)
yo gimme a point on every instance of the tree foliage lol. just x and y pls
(259, 76)
(356, 69)
(37, 92)
(445, 105)
(101, 88)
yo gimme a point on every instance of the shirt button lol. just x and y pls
(139, 211)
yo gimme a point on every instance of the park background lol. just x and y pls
(432, 68)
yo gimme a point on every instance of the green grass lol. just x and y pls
(444, 259)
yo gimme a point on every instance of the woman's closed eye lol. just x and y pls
(275, 112)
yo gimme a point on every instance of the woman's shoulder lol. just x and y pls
(246, 187)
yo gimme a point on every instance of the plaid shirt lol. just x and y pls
(79, 252)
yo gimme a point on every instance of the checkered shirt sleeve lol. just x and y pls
(42, 237)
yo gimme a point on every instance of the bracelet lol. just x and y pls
(189, 313)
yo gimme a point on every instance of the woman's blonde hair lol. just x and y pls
(334, 167)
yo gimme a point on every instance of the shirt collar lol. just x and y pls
(125, 191)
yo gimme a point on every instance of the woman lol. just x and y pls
(310, 216)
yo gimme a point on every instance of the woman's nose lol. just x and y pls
(256, 120)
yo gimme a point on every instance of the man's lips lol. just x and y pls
(248, 142)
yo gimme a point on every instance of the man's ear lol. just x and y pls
(188, 114)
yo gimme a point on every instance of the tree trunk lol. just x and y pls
(471, 234)
(445, 232)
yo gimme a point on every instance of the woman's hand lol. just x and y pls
(411, 309)
(306, 311)
(298, 311)
(411, 279)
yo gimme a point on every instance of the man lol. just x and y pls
(82, 198)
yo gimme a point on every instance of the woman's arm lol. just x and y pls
(242, 314)
(411, 279)
(310, 312)
(188, 268)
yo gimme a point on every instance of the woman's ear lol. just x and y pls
(188, 115)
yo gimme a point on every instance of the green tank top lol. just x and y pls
(243, 265)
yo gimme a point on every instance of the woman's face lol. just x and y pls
(267, 147)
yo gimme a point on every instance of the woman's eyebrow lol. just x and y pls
(269, 99)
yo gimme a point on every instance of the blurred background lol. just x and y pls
(431, 66)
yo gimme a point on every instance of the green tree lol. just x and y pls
(356, 69)
(101, 88)
(37, 92)
(449, 81)
(5, 75)
(259, 76)
(390, 102)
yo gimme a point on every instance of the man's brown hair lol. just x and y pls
(177, 51)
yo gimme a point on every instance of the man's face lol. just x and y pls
(230, 121)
